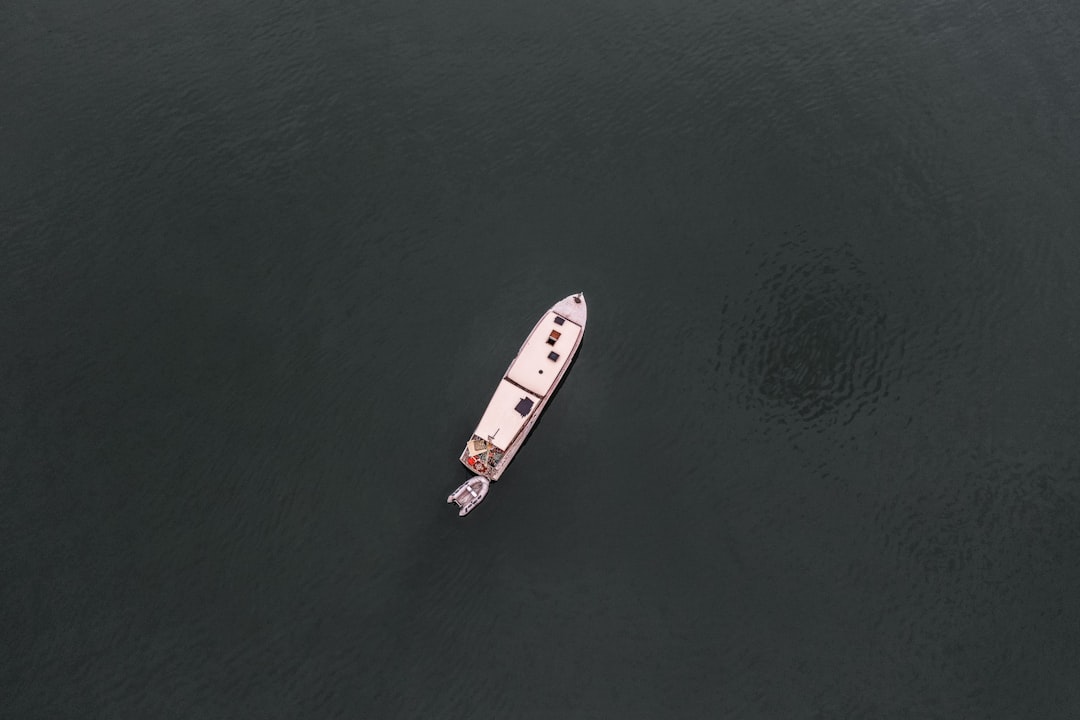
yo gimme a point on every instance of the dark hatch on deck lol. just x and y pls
(524, 406)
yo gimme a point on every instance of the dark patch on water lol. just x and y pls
(813, 342)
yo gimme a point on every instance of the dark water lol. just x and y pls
(261, 265)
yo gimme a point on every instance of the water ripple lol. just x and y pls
(814, 340)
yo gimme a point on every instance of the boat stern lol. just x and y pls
(482, 457)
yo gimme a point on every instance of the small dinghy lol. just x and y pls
(469, 494)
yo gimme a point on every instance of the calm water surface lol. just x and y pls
(261, 265)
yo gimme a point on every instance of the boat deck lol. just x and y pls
(526, 387)
(506, 414)
(546, 351)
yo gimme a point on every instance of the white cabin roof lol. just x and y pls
(547, 349)
(503, 420)
(534, 371)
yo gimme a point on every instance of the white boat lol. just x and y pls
(520, 397)
(470, 493)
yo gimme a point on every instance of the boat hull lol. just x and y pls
(526, 388)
